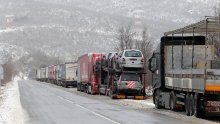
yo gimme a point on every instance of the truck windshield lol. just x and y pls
(130, 77)
(133, 54)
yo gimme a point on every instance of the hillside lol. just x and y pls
(65, 29)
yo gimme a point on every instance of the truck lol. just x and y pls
(68, 74)
(46, 74)
(185, 70)
(42, 74)
(88, 78)
(52, 74)
(57, 75)
(38, 75)
(120, 83)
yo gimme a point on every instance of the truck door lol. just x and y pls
(154, 67)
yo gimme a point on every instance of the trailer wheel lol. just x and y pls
(86, 89)
(173, 101)
(191, 106)
(65, 85)
(157, 99)
(77, 87)
(187, 104)
(111, 95)
(197, 110)
(92, 92)
(107, 93)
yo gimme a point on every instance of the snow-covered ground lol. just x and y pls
(10, 107)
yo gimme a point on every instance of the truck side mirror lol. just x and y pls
(152, 64)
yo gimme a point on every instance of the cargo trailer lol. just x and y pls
(88, 79)
(52, 74)
(186, 73)
(68, 74)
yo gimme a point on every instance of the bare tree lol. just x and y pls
(125, 38)
(214, 38)
(9, 72)
(145, 45)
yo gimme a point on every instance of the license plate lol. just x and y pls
(130, 97)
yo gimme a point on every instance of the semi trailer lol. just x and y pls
(67, 74)
(186, 73)
(121, 82)
(52, 74)
(38, 78)
(88, 78)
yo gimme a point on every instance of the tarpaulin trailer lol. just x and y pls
(186, 71)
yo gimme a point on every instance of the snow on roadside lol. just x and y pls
(141, 104)
(10, 106)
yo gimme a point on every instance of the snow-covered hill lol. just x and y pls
(66, 29)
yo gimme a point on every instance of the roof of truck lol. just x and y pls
(209, 24)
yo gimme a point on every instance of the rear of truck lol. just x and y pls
(52, 74)
(57, 74)
(195, 74)
(130, 85)
(70, 74)
(38, 74)
(46, 74)
(186, 71)
(88, 75)
(42, 74)
(83, 72)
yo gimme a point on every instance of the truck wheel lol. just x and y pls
(191, 106)
(77, 87)
(187, 104)
(173, 101)
(197, 111)
(86, 90)
(62, 84)
(65, 85)
(157, 99)
(81, 88)
(92, 92)
(106, 93)
(111, 95)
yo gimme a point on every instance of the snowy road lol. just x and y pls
(43, 103)
(46, 105)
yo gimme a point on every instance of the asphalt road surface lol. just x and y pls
(45, 104)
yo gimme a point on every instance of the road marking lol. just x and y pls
(95, 113)
(65, 99)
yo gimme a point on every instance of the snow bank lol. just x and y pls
(10, 107)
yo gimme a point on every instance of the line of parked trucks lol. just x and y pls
(185, 71)
(62, 74)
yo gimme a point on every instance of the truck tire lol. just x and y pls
(61, 82)
(65, 85)
(173, 100)
(187, 97)
(92, 92)
(157, 99)
(197, 110)
(86, 90)
(111, 95)
(107, 93)
(191, 101)
(81, 88)
(77, 87)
